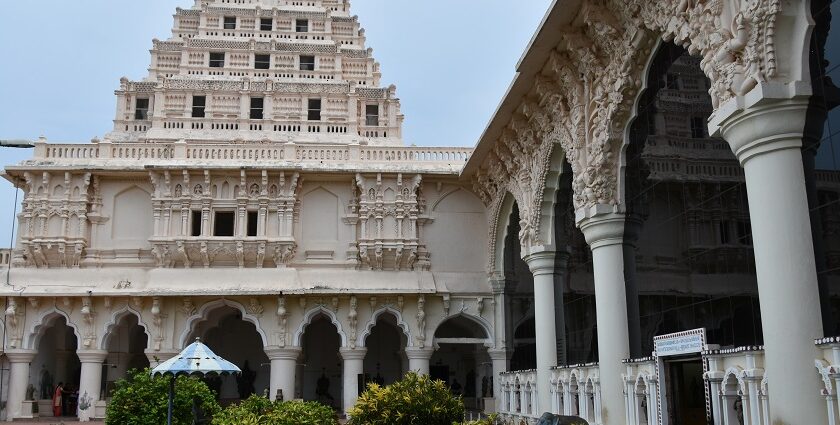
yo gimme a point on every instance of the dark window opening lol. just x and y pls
(672, 81)
(230, 22)
(223, 223)
(307, 63)
(266, 24)
(744, 233)
(724, 232)
(252, 223)
(217, 60)
(262, 61)
(141, 109)
(196, 223)
(256, 108)
(198, 105)
(372, 115)
(314, 110)
(698, 127)
(302, 25)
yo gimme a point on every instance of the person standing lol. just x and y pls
(57, 400)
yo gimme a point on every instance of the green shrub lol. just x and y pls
(143, 400)
(258, 410)
(415, 400)
(490, 420)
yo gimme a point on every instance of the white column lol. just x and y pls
(501, 362)
(18, 380)
(767, 140)
(283, 367)
(418, 359)
(90, 381)
(353, 367)
(541, 264)
(604, 232)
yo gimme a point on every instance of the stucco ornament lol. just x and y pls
(353, 320)
(14, 327)
(157, 322)
(421, 321)
(282, 320)
(88, 318)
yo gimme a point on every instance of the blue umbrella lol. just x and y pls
(197, 359)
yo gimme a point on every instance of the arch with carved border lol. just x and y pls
(44, 322)
(500, 214)
(307, 319)
(116, 317)
(360, 342)
(203, 313)
(483, 324)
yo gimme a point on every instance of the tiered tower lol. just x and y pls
(261, 71)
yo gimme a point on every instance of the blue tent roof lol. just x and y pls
(196, 359)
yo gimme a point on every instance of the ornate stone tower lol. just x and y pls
(261, 71)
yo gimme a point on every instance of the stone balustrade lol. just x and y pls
(738, 385)
(575, 391)
(249, 153)
(641, 392)
(829, 369)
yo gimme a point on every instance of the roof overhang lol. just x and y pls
(545, 40)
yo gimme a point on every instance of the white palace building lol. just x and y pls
(647, 232)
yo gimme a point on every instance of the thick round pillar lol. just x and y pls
(90, 381)
(283, 366)
(767, 140)
(18, 380)
(541, 264)
(418, 359)
(604, 232)
(354, 360)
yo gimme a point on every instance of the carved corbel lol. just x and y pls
(14, 322)
(88, 317)
(282, 320)
(353, 320)
(421, 321)
(157, 321)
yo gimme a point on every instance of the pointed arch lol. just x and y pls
(203, 313)
(46, 320)
(307, 319)
(360, 342)
(480, 322)
(116, 317)
(499, 219)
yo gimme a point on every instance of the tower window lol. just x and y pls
(372, 115)
(217, 59)
(230, 22)
(307, 63)
(195, 226)
(198, 105)
(314, 110)
(223, 223)
(698, 127)
(141, 109)
(262, 61)
(256, 108)
(252, 223)
(302, 25)
(266, 24)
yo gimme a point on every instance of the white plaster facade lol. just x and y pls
(276, 213)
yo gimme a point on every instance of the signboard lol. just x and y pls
(688, 342)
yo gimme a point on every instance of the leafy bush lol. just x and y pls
(490, 420)
(258, 410)
(415, 400)
(143, 400)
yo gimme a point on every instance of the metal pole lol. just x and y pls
(171, 396)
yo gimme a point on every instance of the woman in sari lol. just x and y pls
(57, 399)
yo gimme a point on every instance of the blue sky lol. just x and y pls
(452, 62)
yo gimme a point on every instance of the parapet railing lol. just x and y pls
(250, 152)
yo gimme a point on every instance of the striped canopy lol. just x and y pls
(196, 359)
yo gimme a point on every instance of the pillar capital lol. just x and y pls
(540, 262)
(21, 356)
(285, 353)
(603, 229)
(499, 353)
(771, 125)
(92, 356)
(419, 353)
(353, 353)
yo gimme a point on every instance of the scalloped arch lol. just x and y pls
(116, 317)
(360, 342)
(307, 319)
(45, 321)
(203, 313)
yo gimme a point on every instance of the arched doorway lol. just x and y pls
(126, 344)
(462, 360)
(56, 362)
(320, 378)
(237, 340)
(385, 361)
